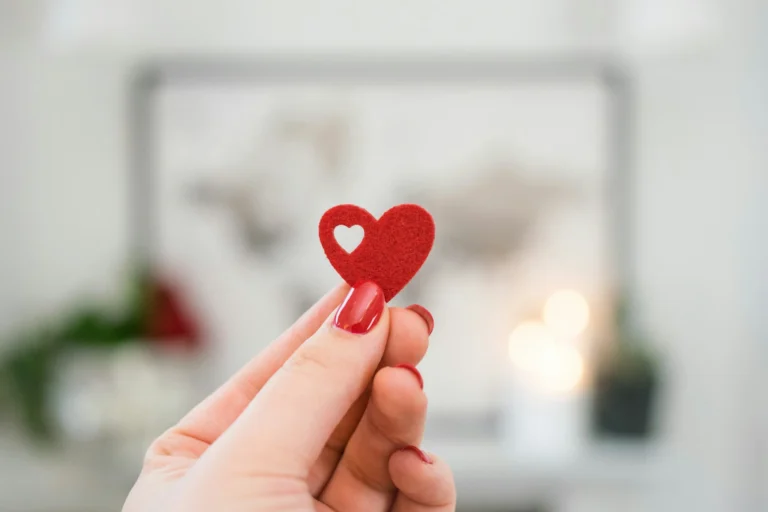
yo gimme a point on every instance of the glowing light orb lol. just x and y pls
(566, 313)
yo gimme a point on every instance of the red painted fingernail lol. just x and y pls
(361, 309)
(425, 314)
(414, 371)
(423, 456)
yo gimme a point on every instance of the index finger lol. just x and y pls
(212, 417)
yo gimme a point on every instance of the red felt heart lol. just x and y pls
(393, 248)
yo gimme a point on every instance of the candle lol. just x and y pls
(546, 409)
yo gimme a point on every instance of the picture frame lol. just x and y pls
(154, 79)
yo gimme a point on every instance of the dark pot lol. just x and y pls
(623, 407)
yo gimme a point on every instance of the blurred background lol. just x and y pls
(597, 174)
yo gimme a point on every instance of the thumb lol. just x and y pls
(284, 428)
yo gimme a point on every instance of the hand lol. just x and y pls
(324, 419)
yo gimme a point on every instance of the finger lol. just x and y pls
(425, 483)
(394, 418)
(206, 422)
(284, 428)
(408, 337)
(407, 343)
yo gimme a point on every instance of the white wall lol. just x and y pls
(756, 268)
(700, 197)
(9, 187)
(695, 176)
(696, 173)
(67, 187)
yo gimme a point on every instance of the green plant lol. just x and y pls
(632, 361)
(631, 357)
(626, 383)
(27, 370)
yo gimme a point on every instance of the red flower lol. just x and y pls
(170, 321)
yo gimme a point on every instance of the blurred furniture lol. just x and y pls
(607, 478)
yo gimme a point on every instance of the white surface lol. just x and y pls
(42, 481)
(485, 477)
(51, 482)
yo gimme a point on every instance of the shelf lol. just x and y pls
(38, 481)
(486, 476)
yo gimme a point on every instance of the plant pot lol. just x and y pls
(623, 407)
(113, 401)
(546, 427)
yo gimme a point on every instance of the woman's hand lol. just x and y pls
(328, 417)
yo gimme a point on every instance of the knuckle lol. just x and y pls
(309, 360)
(172, 445)
(365, 474)
(156, 455)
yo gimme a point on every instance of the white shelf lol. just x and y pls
(486, 476)
(37, 481)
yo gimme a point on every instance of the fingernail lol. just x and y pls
(361, 308)
(414, 371)
(423, 456)
(425, 314)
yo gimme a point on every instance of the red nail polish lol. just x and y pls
(424, 314)
(414, 371)
(361, 309)
(423, 456)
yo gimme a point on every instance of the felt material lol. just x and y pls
(393, 248)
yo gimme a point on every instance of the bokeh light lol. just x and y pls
(566, 313)
(525, 340)
(545, 362)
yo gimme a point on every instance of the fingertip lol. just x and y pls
(408, 338)
(423, 477)
(425, 315)
(362, 309)
(422, 455)
(414, 371)
(397, 395)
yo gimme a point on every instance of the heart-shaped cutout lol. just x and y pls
(392, 250)
(348, 238)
